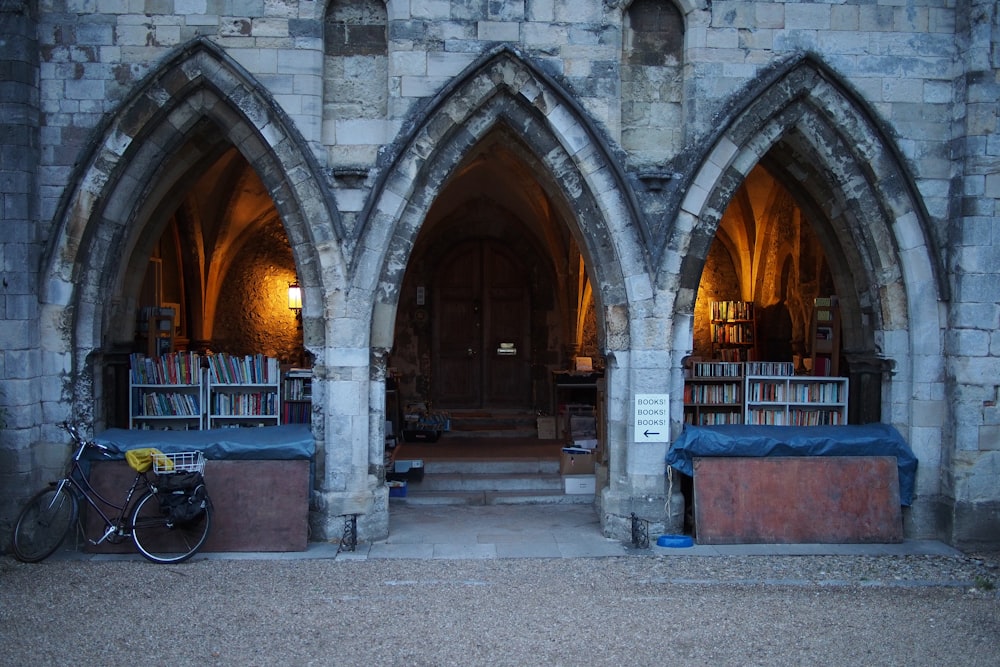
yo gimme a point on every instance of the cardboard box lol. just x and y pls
(546, 428)
(397, 489)
(573, 461)
(580, 484)
(407, 470)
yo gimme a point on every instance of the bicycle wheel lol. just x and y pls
(43, 524)
(161, 541)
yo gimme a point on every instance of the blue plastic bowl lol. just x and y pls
(675, 541)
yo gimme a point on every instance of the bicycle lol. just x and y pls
(152, 523)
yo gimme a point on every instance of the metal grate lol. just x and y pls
(349, 540)
(640, 532)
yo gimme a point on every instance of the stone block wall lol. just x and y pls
(925, 73)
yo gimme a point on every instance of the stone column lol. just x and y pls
(19, 156)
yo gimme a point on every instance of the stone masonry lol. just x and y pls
(645, 116)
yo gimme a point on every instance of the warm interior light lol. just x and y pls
(295, 297)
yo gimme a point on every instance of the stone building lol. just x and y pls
(582, 175)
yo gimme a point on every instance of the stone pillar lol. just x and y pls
(972, 348)
(19, 156)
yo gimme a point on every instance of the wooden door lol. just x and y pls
(481, 346)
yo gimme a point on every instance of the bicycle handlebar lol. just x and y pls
(107, 450)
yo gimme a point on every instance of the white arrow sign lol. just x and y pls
(652, 417)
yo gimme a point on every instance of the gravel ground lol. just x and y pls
(642, 610)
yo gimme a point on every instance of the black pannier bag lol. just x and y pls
(183, 498)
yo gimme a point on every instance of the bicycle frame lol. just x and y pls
(82, 487)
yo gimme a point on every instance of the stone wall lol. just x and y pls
(883, 115)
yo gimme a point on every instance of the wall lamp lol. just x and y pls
(295, 299)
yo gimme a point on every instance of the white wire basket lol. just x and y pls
(179, 462)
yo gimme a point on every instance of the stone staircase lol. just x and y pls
(508, 478)
(493, 423)
(490, 482)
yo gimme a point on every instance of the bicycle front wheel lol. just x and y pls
(163, 541)
(43, 524)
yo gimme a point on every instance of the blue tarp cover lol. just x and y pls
(759, 441)
(264, 443)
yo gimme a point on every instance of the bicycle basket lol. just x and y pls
(179, 462)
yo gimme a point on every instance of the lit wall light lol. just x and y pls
(295, 299)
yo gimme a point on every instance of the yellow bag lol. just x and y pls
(141, 460)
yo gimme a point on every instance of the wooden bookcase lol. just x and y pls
(166, 392)
(734, 331)
(243, 391)
(795, 401)
(296, 397)
(825, 337)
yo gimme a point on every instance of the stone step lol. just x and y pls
(493, 423)
(490, 482)
(433, 498)
(463, 481)
(490, 466)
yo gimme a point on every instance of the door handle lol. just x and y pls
(470, 353)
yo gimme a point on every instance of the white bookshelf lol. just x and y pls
(166, 392)
(713, 393)
(795, 400)
(243, 391)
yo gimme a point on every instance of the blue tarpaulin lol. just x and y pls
(265, 443)
(759, 441)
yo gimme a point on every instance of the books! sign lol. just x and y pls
(652, 417)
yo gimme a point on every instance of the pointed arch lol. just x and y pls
(824, 144)
(581, 175)
(204, 102)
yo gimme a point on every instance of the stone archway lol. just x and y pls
(823, 145)
(579, 176)
(135, 160)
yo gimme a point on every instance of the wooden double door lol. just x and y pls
(481, 327)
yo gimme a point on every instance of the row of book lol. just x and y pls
(779, 417)
(255, 403)
(812, 392)
(714, 394)
(169, 404)
(716, 369)
(732, 334)
(250, 369)
(818, 392)
(738, 369)
(297, 388)
(172, 368)
(732, 310)
(295, 413)
(714, 418)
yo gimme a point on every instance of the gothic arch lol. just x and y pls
(502, 90)
(826, 146)
(203, 101)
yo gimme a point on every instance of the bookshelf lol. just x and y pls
(713, 393)
(243, 391)
(166, 392)
(296, 396)
(734, 331)
(795, 400)
(825, 336)
(155, 329)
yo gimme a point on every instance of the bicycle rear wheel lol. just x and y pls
(43, 524)
(161, 541)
